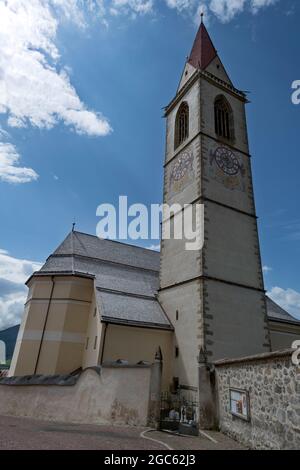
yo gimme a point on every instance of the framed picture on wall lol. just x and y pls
(240, 403)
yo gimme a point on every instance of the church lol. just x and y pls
(96, 301)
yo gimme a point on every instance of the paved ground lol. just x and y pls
(23, 433)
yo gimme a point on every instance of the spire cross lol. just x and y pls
(202, 15)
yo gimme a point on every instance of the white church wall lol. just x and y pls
(177, 264)
(184, 308)
(235, 321)
(192, 98)
(217, 69)
(209, 92)
(188, 188)
(235, 191)
(188, 71)
(119, 395)
(231, 247)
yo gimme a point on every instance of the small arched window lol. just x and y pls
(182, 124)
(224, 125)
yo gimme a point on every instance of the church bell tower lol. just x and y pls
(215, 296)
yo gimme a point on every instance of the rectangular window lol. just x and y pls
(87, 343)
(95, 342)
(176, 351)
(95, 312)
(175, 386)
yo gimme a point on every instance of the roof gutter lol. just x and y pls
(59, 273)
(121, 322)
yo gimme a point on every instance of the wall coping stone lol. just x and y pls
(255, 358)
(68, 380)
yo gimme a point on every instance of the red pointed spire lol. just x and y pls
(203, 51)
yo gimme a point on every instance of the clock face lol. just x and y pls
(182, 166)
(227, 161)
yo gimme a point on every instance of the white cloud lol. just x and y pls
(10, 172)
(13, 274)
(34, 89)
(288, 299)
(267, 269)
(136, 7)
(224, 10)
(16, 270)
(257, 4)
(11, 309)
(3, 134)
(180, 4)
(202, 8)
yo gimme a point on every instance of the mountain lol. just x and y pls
(9, 337)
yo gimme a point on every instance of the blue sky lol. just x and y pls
(81, 100)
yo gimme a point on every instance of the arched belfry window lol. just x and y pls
(182, 124)
(224, 125)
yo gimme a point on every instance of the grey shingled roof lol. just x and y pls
(108, 276)
(275, 312)
(90, 246)
(126, 277)
(121, 270)
(128, 309)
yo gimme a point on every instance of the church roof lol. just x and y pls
(131, 310)
(277, 313)
(126, 277)
(90, 246)
(203, 50)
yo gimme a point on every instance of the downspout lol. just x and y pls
(103, 343)
(44, 327)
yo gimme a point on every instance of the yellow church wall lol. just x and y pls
(64, 338)
(40, 289)
(24, 359)
(139, 344)
(76, 316)
(47, 361)
(28, 340)
(63, 332)
(78, 289)
(74, 352)
(93, 338)
(36, 314)
(53, 331)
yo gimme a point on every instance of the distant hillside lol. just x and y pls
(9, 337)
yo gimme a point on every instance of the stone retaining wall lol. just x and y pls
(273, 384)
